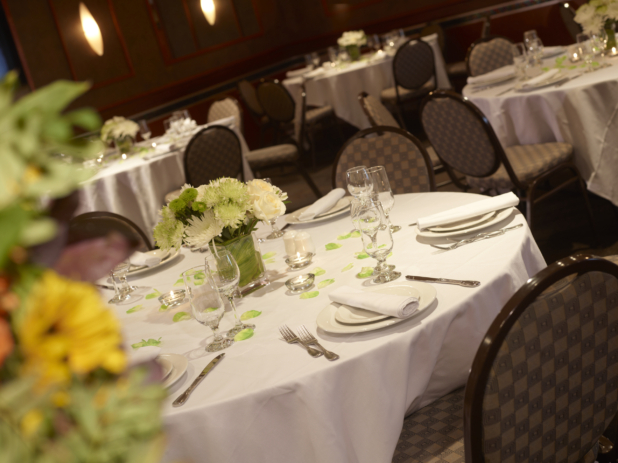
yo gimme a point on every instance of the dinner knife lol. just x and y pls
(182, 398)
(464, 283)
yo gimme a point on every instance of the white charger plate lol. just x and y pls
(179, 365)
(326, 318)
(355, 316)
(134, 270)
(342, 206)
(462, 224)
(546, 83)
(501, 215)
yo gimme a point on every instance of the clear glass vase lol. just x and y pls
(124, 145)
(354, 52)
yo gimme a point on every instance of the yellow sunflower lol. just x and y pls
(67, 329)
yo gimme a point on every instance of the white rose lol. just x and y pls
(257, 187)
(268, 206)
(585, 13)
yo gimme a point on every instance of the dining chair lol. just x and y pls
(465, 141)
(249, 97)
(91, 225)
(223, 108)
(544, 382)
(403, 156)
(488, 53)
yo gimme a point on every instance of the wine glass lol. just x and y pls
(375, 42)
(520, 59)
(121, 287)
(383, 193)
(144, 130)
(343, 56)
(276, 233)
(584, 43)
(308, 60)
(333, 56)
(529, 36)
(359, 182)
(377, 238)
(315, 59)
(206, 304)
(226, 275)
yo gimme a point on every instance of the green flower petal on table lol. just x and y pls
(318, 271)
(361, 255)
(365, 272)
(180, 316)
(179, 282)
(199, 275)
(344, 237)
(325, 283)
(355, 234)
(332, 246)
(152, 295)
(250, 314)
(269, 261)
(268, 255)
(347, 267)
(389, 255)
(309, 295)
(244, 334)
(163, 308)
(135, 309)
(144, 343)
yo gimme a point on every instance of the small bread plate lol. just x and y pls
(476, 226)
(166, 366)
(524, 87)
(327, 318)
(342, 206)
(136, 270)
(178, 364)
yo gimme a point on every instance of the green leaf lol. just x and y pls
(269, 261)
(179, 282)
(389, 255)
(12, 221)
(344, 237)
(180, 316)
(365, 272)
(325, 283)
(318, 271)
(595, 63)
(144, 343)
(135, 309)
(356, 234)
(250, 314)
(347, 267)
(210, 309)
(199, 275)
(361, 255)
(381, 246)
(545, 69)
(332, 246)
(244, 334)
(163, 308)
(309, 295)
(268, 255)
(152, 295)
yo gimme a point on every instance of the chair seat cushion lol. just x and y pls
(272, 155)
(389, 95)
(435, 160)
(315, 114)
(528, 161)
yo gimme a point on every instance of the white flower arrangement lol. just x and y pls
(350, 38)
(118, 128)
(597, 14)
(224, 209)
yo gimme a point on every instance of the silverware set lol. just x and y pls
(306, 339)
(475, 238)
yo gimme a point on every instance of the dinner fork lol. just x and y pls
(308, 338)
(291, 338)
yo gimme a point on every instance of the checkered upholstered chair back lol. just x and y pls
(212, 153)
(460, 134)
(276, 101)
(413, 64)
(249, 96)
(223, 108)
(376, 112)
(99, 224)
(488, 54)
(402, 155)
(544, 383)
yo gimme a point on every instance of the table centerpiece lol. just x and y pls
(121, 132)
(223, 214)
(599, 15)
(352, 41)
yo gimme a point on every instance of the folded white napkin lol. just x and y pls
(143, 354)
(299, 72)
(542, 78)
(503, 72)
(322, 205)
(386, 304)
(552, 51)
(140, 259)
(468, 211)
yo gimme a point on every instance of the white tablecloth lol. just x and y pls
(135, 188)
(582, 112)
(339, 88)
(270, 402)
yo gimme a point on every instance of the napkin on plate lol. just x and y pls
(322, 205)
(386, 304)
(299, 72)
(542, 78)
(469, 210)
(140, 259)
(503, 72)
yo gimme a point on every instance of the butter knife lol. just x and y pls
(465, 283)
(182, 398)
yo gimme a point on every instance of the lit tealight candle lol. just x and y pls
(299, 260)
(124, 156)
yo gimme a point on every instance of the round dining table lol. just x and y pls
(268, 401)
(581, 111)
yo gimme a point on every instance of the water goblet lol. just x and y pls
(144, 130)
(375, 42)
(343, 56)
(308, 60)
(529, 36)
(276, 233)
(315, 59)
(383, 193)
(121, 288)
(520, 59)
(356, 207)
(586, 51)
(359, 182)
(206, 304)
(226, 275)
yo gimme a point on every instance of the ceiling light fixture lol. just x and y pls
(91, 29)
(208, 8)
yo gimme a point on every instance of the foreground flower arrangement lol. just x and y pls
(598, 15)
(66, 393)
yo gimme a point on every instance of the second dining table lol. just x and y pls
(268, 401)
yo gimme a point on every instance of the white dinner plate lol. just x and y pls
(326, 318)
(546, 83)
(135, 270)
(166, 366)
(463, 224)
(179, 366)
(501, 215)
(355, 316)
(342, 206)
(492, 82)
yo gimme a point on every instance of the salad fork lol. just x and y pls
(291, 338)
(308, 338)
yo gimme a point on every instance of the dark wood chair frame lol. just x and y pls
(238, 105)
(257, 117)
(380, 129)
(280, 126)
(530, 188)
(489, 347)
(93, 216)
(488, 38)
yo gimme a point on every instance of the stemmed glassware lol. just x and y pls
(520, 59)
(359, 182)
(226, 275)
(312, 59)
(121, 287)
(586, 51)
(276, 233)
(144, 130)
(333, 56)
(383, 193)
(206, 304)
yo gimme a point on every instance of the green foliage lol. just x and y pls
(163, 308)
(135, 309)
(332, 246)
(268, 255)
(189, 194)
(318, 271)
(344, 237)
(325, 283)
(250, 314)
(244, 334)
(347, 267)
(144, 343)
(309, 295)
(180, 316)
(198, 206)
(154, 294)
(365, 272)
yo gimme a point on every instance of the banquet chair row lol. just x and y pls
(544, 382)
